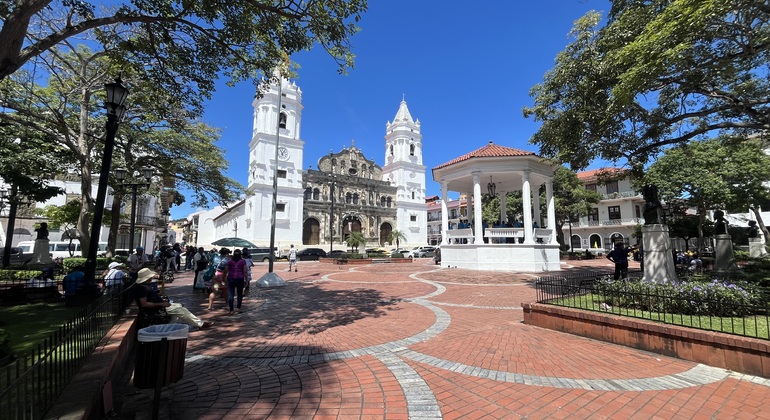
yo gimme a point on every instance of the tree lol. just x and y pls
(571, 198)
(717, 173)
(659, 73)
(196, 41)
(355, 239)
(154, 133)
(397, 236)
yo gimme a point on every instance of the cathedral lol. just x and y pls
(348, 192)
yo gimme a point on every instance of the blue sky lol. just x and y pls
(465, 73)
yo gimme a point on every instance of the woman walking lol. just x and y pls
(235, 272)
(249, 263)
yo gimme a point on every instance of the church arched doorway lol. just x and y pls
(311, 232)
(385, 230)
(350, 224)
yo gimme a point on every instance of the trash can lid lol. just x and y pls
(159, 332)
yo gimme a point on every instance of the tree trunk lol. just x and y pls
(761, 223)
(114, 224)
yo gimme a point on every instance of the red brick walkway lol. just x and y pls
(401, 341)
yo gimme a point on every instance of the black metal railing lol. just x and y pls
(30, 385)
(581, 292)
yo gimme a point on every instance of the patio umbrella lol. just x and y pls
(233, 243)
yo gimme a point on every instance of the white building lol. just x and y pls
(276, 142)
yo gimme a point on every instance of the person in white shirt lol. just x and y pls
(114, 277)
(293, 258)
(136, 262)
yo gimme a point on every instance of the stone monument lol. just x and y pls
(724, 258)
(658, 259)
(756, 241)
(41, 254)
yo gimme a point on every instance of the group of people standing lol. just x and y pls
(221, 274)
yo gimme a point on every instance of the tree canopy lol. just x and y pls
(657, 73)
(721, 173)
(183, 45)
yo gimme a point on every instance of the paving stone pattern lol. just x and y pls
(398, 341)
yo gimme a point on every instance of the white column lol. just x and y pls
(444, 214)
(536, 203)
(551, 202)
(469, 211)
(526, 194)
(478, 228)
(503, 205)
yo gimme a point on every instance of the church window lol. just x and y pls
(280, 207)
(411, 150)
(316, 193)
(355, 198)
(282, 173)
(348, 198)
(413, 218)
(389, 201)
(391, 150)
(308, 191)
(363, 168)
(382, 201)
(412, 195)
(282, 120)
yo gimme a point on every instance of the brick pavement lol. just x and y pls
(399, 341)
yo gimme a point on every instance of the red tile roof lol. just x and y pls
(490, 150)
(596, 173)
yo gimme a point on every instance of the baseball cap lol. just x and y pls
(140, 248)
(115, 264)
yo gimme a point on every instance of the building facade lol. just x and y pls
(457, 212)
(348, 192)
(613, 219)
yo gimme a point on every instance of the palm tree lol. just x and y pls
(355, 239)
(397, 236)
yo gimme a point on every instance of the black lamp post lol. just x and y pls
(120, 174)
(116, 96)
(491, 187)
(569, 219)
(331, 213)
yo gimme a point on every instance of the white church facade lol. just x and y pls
(349, 192)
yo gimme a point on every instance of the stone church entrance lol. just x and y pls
(311, 232)
(350, 224)
(385, 230)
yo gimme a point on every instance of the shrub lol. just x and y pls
(352, 256)
(741, 255)
(396, 255)
(101, 263)
(699, 297)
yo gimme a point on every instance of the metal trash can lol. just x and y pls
(160, 355)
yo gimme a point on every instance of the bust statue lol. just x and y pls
(42, 231)
(753, 229)
(720, 224)
(653, 210)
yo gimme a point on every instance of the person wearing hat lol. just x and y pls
(136, 262)
(151, 302)
(114, 277)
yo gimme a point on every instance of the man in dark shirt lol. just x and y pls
(619, 256)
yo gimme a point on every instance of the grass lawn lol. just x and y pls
(750, 326)
(30, 324)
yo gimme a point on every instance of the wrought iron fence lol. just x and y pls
(30, 385)
(579, 292)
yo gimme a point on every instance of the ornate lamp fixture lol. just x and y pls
(491, 187)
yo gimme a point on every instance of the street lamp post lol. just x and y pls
(569, 219)
(116, 96)
(331, 213)
(147, 174)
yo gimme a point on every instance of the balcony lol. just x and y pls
(142, 221)
(621, 194)
(610, 222)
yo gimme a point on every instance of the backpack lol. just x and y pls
(208, 276)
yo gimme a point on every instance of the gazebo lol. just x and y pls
(504, 245)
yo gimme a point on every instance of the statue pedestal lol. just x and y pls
(41, 254)
(724, 258)
(658, 258)
(756, 248)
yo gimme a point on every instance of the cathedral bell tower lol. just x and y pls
(277, 118)
(404, 169)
